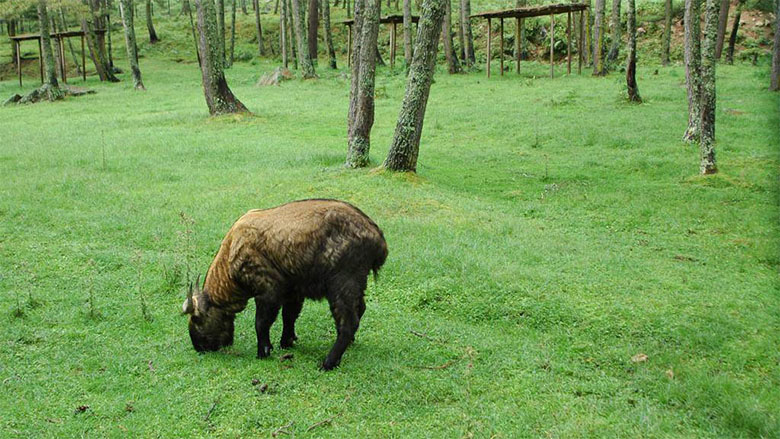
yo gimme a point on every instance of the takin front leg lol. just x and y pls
(347, 309)
(265, 315)
(290, 312)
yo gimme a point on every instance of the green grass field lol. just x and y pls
(553, 233)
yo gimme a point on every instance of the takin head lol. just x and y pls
(210, 327)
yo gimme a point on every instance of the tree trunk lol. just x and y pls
(692, 26)
(282, 29)
(232, 33)
(774, 84)
(149, 25)
(291, 33)
(185, 8)
(361, 101)
(461, 37)
(47, 55)
(221, 30)
(96, 42)
(314, 23)
(407, 26)
(406, 140)
(12, 32)
(453, 66)
(667, 32)
(723, 18)
(219, 98)
(243, 7)
(194, 36)
(303, 57)
(708, 47)
(328, 34)
(108, 34)
(519, 41)
(588, 46)
(598, 39)
(733, 36)
(615, 25)
(633, 89)
(465, 10)
(259, 29)
(126, 12)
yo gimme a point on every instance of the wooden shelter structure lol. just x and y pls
(520, 14)
(59, 37)
(390, 19)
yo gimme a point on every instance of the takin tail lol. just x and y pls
(380, 255)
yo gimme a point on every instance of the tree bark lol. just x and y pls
(453, 66)
(259, 29)
(314, 23)
(461, 36)
(361, 111)
(96, 42)
(733, 36)
(221, 29)
(12, 32)
(519, 41)
(633, 89)
(692, 26)
(232, 33)
(615, 25)
(291, 33)
(465, 10)
(598, 39)
(303, 57)
(328, 34)
(282, 29)
(774, 84)
(125, 12)
(243, 7)
(723, 18)
(708, 61)
(406, 140)
(667, 32)
(219, 97)
(407, 26)
(50, 73)
(149, 24)
(185, 7)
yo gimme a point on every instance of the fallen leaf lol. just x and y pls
(639, 358)
(670, 374)
(285, 357)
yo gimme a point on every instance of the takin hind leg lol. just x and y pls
(265, 315)
(347, 306)
(290, 312)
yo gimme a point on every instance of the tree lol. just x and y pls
(149, 25)
(221, 28)
(667, 32)
(723, 18)
(406, 140)
(633, 89)
(468, 36)
(453, 66)
(692, 68)
(232, 33)
(328, 34)
(708, 60)
(521, 32)
(615, 25)
(314, 23)
(96, 41)
(598, 39)
(126, 13)
(302, 54)
(774, 84)
(407, 25)
(361, 99)
(50, 88)
(733, 36)
(219, 97)
(259, 28)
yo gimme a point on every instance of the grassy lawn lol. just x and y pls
(553, 233)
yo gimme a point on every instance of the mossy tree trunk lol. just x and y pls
(406, 140)
(667, 33)
(774, 84)
(453, 66)
(734, 31)
(126, 13)
(633, 89)
(50, 84)
(598, 39)
(312, 28)
(221, 28)
(328, 34)
(708, 61)
(361, 100)
(219, 97)
(153, 38)
(468, 35)
(302, 52)
(692, 48)
(232, 54)
(723, 19)
(461, 37)
(259, 29)
(614, 23)
(96, 41)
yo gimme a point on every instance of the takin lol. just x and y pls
(280, 256)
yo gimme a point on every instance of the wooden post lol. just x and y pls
(19, 61)
(501, 38)
(40, 59)
(568, 43)
(83, 59)
(552, 44)
(62, 58)
(392, 46)
(580, 40)
(518, 42)
(489, 38)
(349, 45)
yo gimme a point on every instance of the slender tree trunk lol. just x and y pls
(107, 6)
(407, 26)
(519, 42)
(221, 33)
(194, 37)
(723, 18)
(12, 32)
(461, 36)
(633, 89)
(598, 39)
(149, 24)
(276, 7)
(219, 97)
(126, 12)
(96, 42)
(692, 26)
(307, 67)
(774, 84)
(453, 66)
(328, 33)
(406, 140)
(243, 7)
(465, 10)
(587, 54)
(185, 8)
(615, 25)
(708, 61)
(73, 55)
(347, 2)
(314, 22)
(733, 36)
(667, 32)
(50, 85)
(282, 29)
(232, 33)
(361, 113)
(291, 33)
(259, 29)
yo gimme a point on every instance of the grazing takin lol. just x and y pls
(280, 256)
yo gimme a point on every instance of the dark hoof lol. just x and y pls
(329, 365)
(287, 342)
(264, 351)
